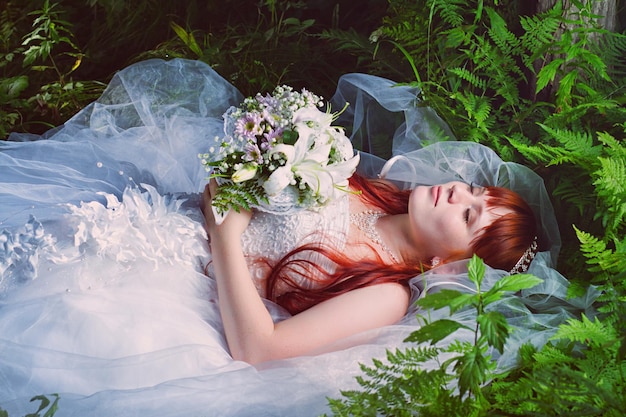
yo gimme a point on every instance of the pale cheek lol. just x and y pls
(453, 236)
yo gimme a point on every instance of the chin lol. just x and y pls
(419, 198)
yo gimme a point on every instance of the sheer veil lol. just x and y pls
(147, 311)
(409, 144)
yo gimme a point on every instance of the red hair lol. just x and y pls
(504, 241)
(500, 245)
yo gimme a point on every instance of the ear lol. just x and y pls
(435, 261)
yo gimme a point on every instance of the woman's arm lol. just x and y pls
(250, 331)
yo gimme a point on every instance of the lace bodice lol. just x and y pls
(272, 236)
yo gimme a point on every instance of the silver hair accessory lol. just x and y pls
(524, 262)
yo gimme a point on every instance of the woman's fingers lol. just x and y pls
(236, 221)
(212, 186)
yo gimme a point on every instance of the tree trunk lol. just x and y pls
(607, 9)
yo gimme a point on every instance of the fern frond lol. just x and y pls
(347, 40)
(450, 11)
(470, 77)
(401, 386)
(599, 256)
(577, 190)
(533, 153)
(499, 33)
(616, 147)
(611, 189)
(579, 144)
(539, 34)
(551, 355)
(592, 333)
(548, 73)
(612, 48)
(231, 196)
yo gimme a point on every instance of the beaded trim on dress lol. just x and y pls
(366, 222)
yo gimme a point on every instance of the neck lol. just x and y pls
(395, 230)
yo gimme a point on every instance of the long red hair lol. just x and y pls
(500, 245)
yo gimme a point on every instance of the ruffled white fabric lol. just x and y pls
(103, 296)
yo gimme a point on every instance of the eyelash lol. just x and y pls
(467, 211)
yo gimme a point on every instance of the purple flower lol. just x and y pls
(267, 101)
(249, 126)
(252, 153)
(271, 138)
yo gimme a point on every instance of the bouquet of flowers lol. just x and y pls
(279, 153)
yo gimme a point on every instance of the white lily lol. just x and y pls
(341, 171)
(308, 157)
(311, 118)
(278, 180)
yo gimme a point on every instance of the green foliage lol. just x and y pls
(49, 31)
(441, 378)
(45, 407)
(547, 90)
(281, 42)
(585, 376)
(47, 55)
(232, 195)
(10, 101)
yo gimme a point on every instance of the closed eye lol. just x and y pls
(466, 213)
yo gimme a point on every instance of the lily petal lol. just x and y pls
(278, 180)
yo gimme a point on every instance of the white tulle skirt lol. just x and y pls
(103, 296)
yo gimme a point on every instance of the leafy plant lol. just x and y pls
(583, 375)
(10, 101)
(48, 55)
(44, 405)
(280, 43)
(405, 386)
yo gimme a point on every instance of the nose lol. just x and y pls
(459, 193)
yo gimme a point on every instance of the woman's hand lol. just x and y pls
(233, 225)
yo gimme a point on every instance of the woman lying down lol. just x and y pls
(124, 291)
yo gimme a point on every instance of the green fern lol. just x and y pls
(611, 188)
(507, 42)
(539, 33)
(584, 377)
(470, 77)
(231, 196)
(593, 333)
(612, 49)
(600, 256)
(450, 11)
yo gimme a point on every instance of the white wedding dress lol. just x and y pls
(103, 295)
